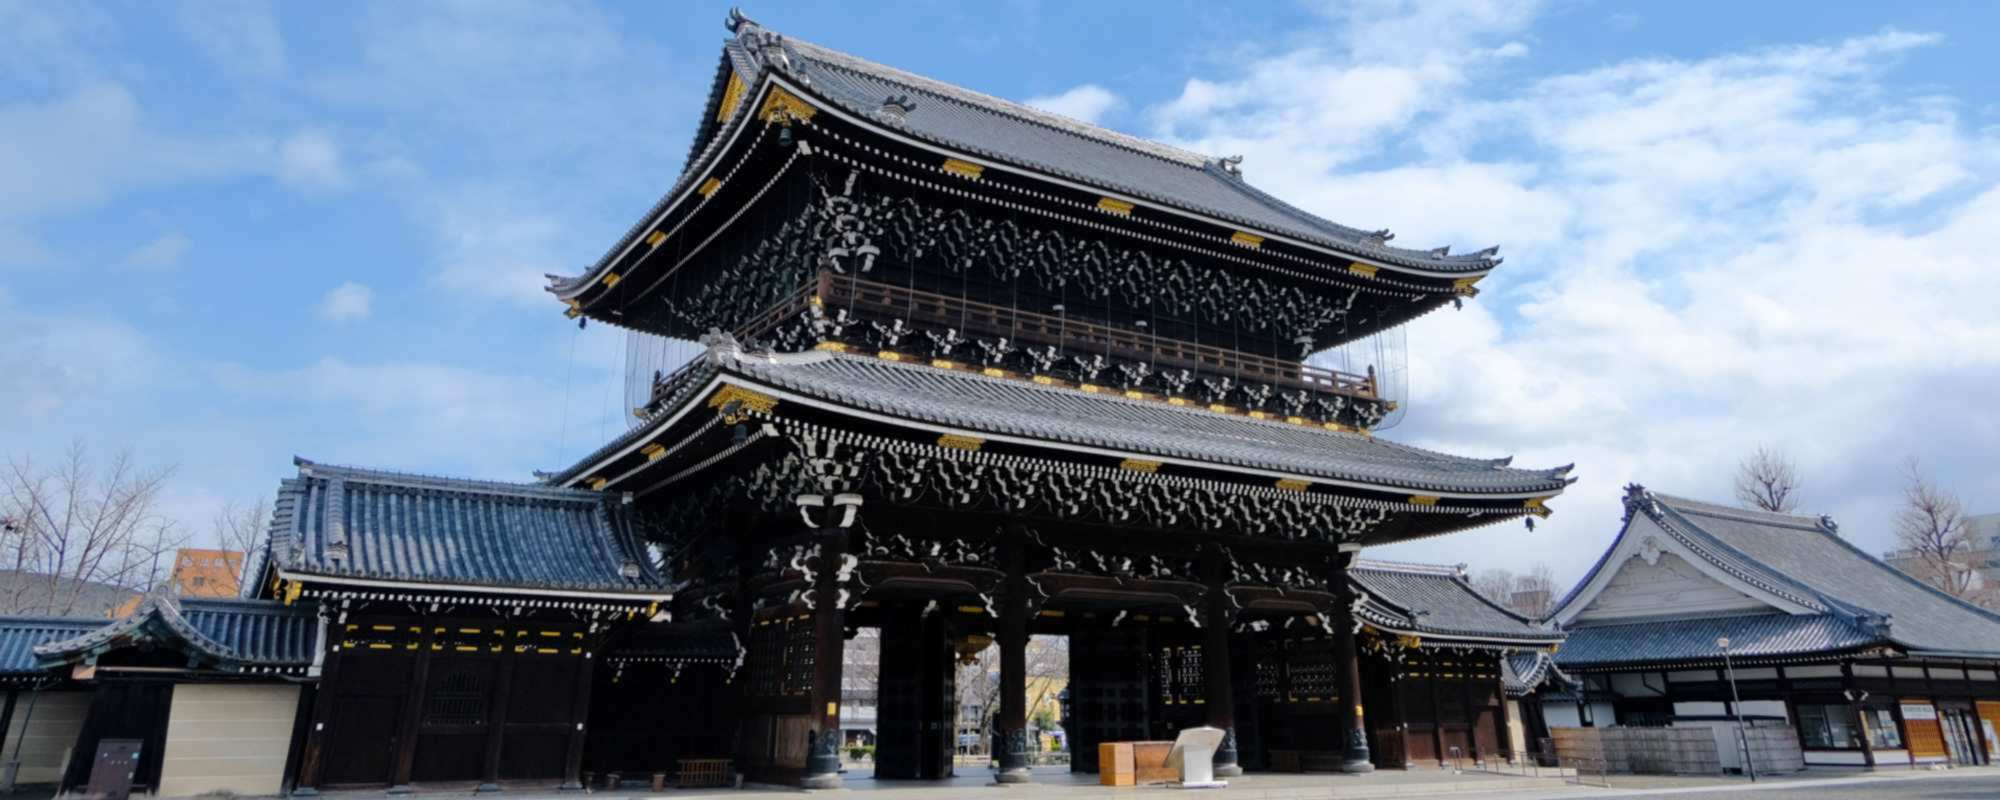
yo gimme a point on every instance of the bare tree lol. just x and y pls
(1931, 525)
(243, 529)
(1767, 479)
(1047, 662)
(1529, 594)
(73, 532)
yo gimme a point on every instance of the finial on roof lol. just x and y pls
(771, 50)
(721, 345)
(1460, 568)
(1637, 499)
(1381, 237)
(894, 108)
(736, 19)
(1441, 252)
(1827, 524)
(1489, 252)
(1232, 164)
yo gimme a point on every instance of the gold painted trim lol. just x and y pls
(944, 364)
(655, 238)
(752, 400)
(1044, 380)
(963, 169)
(732, 96)
(1092, 388)
(832, 347)
(1463, 284)
(1363, 270)
(889, 355)
(1423, 499)
(957, 442)
(708, 187)
(1247, 239)
(611, 279)
(1294, 484)
(1134, 394)
(654, 451)
(598, 481)
(993, 372)
(1119, 207)
(1177, 401)
(783, 106)
(1139, 465)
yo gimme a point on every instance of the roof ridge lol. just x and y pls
(1688, 505)
(414, 480)
(840, 59)
(1410, 567)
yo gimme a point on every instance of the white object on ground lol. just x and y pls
(1194, 757)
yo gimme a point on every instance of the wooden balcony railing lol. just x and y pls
(975, 320)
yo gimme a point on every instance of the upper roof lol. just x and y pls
(1066, 417)
(19, 636)
(1838, 595)
(233, 635)
(355, 526)
(1006, 132)
(1437, 600)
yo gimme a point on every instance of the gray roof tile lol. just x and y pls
(419, 529)
(236, 634)
(19, 636)
(1003, 406)
(1438, 599)
(1693, 639)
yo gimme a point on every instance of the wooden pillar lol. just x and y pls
(1354, 758)
(413, 711)
(1012, 746)
(1437, 709)
(579, 711)
(829, 645)
(1397, 712)
(496, 723)
(1219, 696)
(312, 762)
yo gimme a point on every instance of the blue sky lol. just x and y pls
(231, 232)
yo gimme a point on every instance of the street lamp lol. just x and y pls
(1741, 735)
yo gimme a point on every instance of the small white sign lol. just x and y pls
(1919, 711)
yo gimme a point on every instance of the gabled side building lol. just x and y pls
(1870, 666)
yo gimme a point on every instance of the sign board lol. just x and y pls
(111, 773)
(1919, 711)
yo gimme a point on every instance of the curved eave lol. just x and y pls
(575, 475)
(576, 289)
(420, 586)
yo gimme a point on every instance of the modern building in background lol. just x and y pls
(1981, 557)
(1869, 665)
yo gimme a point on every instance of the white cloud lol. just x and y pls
(346, 302)
(162, 253)
(311, 159)
(1768, 246)
(1089, 103)
(240, 35)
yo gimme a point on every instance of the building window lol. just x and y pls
(1828, 727)
(1882, 731)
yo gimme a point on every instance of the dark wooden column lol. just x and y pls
(413, 711)
(579, 712)
(1354, 758)
(1219, 697)
(312, 761)
(1012, 744)
(829, 646)
(496, 722)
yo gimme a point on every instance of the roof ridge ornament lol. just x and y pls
(894, 109)
(771, 50)
(722, 346)
(1232, 165)
(1827, 523)
(1381, 237)
(1637, 499)
(737, 19)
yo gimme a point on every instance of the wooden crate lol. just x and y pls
(1149, 762)
(1114, 764)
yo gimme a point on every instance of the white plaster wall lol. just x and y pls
(50, 732)
(1671, 584)
(228, 738)
(1560, 714)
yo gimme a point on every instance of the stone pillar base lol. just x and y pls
(1228, 770)
(1357, 767)
(821, 781)
(1015, 775)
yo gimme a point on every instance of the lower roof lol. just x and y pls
(1693, 639)
(343, 525)
(1437, 601)
(231, 634)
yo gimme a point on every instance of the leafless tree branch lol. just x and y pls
(1768, 479)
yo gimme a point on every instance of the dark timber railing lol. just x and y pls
(975, 319)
